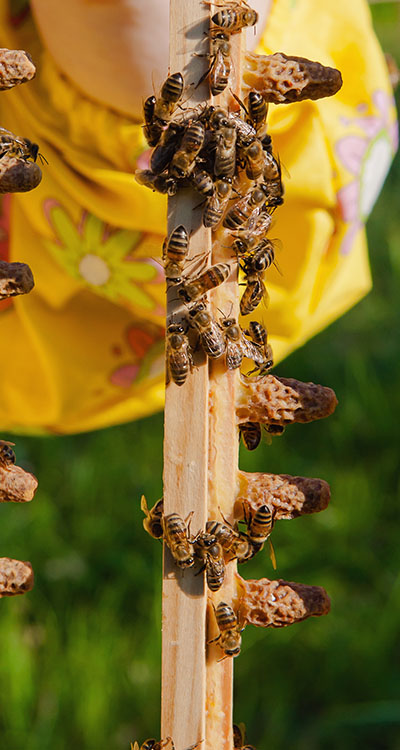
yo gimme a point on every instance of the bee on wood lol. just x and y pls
(254, 293)
(175, 250)
(259, 336)
(210, 334)
(209, 551)
(7, 455)
(272, 184)
(166, 148)
(235, 543)
(235, 16)
(171, 92)
(209, 279)
(255, 290)
(22, 148)
(237, 346)
(153, 521)
(250, 432)
(257, 111)
(244, 130)
(248, 239)
(229, 638)
(225, 150)
(157, 182)
(202, 182)
(217, 202)
(179, 360)
(255, 159)
(220, 68)
(152, 128)
(239, 738)
(184, 159)
(176, 536)
(244, 209)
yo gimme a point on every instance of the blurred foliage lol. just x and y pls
(80, 656)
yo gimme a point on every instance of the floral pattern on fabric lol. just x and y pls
(368, 157)
(101, 257)
(147, 357)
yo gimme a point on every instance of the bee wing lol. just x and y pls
(143, 505)
(272, 554)
(134, 746)
(6, 442)
(234, 355)
(252, 351)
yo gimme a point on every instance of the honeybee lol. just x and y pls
(250, 432)
(220, 68)
(156, 182)
(260, 523)
(217, 202)
(255, 290)
(249, 238)
(229, 638)
(22, 148)
(184, 159)
(202, 182)
(152, 128)
(225, 151)
(235, 16)
(176, 536)
(255, 159)
(245, 131)
(153, 521)
(244, 209)
(237, 346)
(171, 92)
(239, 738)
(209, 279)
(254, 293)
(235, 543)
(7, 455)
(175, 250)
(272, 184)
(257, 111)
(259, 335)
(166, 148)
(209, 551)
(178, 354)
(259, 526)
(210, 335)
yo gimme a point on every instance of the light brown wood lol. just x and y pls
(186, 443)
(200, 456)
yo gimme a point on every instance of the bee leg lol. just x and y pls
(214, 640)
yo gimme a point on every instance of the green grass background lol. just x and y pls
(80, 654)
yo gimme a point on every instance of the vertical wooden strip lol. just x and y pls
(223, 461)
(186, 441)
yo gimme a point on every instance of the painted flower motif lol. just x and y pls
(368, 158)
(100, 256)
(147, 357)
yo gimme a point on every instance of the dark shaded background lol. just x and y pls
(80, 655)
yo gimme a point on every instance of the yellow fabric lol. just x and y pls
(85, 349)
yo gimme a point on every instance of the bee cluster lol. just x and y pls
(212, 548)
(227, 157)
